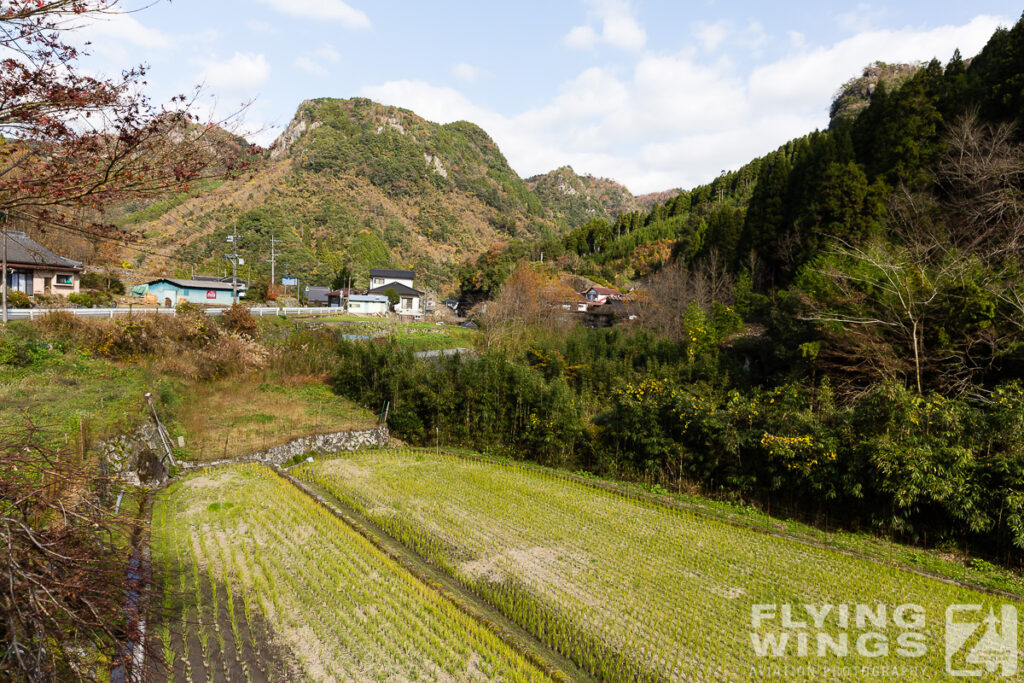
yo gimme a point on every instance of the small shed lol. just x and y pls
(317, 296)
(366, 304)
(336, 299)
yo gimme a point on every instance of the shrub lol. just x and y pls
(239, 320)
(105, 282)
(259, 290)
(186, 309)
(81, 299)
(16, 299)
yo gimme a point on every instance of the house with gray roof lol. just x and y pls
(35, 270)
(384, 276)
(409, 299)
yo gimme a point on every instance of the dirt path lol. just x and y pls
(553, 663)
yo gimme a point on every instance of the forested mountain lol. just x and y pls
(358, 184)
(574, 199)
(837, 326)
(780, 211)
(352, 182)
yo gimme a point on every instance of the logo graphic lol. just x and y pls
(976, 644)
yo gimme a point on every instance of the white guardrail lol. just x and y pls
(32, 313)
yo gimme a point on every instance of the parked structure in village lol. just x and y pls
(410, 299)
(35, 270)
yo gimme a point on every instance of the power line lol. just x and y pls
(93, 235)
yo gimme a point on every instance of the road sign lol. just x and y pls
(288, 281)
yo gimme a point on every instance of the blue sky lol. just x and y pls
(653, 93)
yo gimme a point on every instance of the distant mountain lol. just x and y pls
(573, 199)
(648, 201)
(356, 183)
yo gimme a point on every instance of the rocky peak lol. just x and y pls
(855, 95)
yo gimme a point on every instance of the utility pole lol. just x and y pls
(3, 271)
(233, 257)
(273, 260)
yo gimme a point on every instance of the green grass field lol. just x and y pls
(259, 581)
(632, 590)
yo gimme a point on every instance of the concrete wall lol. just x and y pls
(367, 307)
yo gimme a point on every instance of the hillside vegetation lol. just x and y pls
(353, 182)
(834, 330)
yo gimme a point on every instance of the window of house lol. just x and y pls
(406, 302)
(20, 282)
(64, 280)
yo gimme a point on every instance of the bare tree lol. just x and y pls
(529, 298)
(981, 177)
(64, 564)
(668, 292)
(882, 287)
(969, 233)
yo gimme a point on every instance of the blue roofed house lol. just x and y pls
(172, 291)
(365, 304)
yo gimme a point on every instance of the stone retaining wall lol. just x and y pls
(136, 457)
(321, 443)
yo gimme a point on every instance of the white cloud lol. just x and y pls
(259, 26)
(111, 36)
(615, 26)
(711, 36)
(241, 74)
(322, 10)
(679, 119)
(316, 61)
(810, 77)
(122, 28)
(467, 72)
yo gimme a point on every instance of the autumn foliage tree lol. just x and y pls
(529, 298)
(74, 143)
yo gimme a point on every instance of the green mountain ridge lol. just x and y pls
(574, 199)
(360, 184)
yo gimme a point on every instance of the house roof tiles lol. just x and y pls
(23, 250)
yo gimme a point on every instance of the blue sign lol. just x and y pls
(289, 281)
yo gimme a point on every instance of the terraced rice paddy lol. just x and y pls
(631, 590)
(261, 583)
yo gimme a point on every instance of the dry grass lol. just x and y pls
(231, 418)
